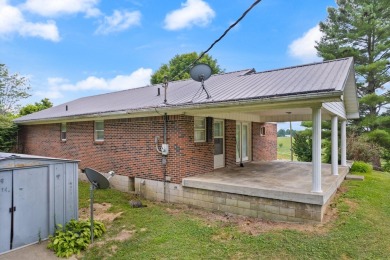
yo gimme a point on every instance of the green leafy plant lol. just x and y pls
(302, 147)
(361, 167)
(74, 237)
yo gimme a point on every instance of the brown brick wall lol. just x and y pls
(186, 157)
(230, 143)
(129, 147)
(264, 147)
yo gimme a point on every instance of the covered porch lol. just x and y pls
(277, 190)
(282, 180)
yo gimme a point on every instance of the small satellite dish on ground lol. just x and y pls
(98, 181)
(200, 73)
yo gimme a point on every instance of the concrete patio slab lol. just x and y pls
(288, 181)
(34, 251)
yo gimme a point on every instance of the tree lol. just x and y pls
(281, 133)
(38, 106)
(302, 146)
(8, 133)
(361, 29)
(13, 88)
(179, 63)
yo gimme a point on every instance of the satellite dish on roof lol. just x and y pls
(200, 73)
(98, 181)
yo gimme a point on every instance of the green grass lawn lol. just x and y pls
(361, 229)
(284, 152)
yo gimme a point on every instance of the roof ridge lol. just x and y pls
(212, 75)
(153, 85)
(303, 65)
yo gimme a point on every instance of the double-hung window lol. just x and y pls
(99, 130)
(63, 131)
(199, 129)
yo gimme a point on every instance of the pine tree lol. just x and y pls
(361, 29)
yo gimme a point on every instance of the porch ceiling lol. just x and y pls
(271, 114)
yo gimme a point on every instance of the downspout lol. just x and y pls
(164, 158)
(241, 164)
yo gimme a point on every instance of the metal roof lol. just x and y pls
(323, 77)
(13, 156)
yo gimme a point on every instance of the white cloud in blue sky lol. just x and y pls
(58, 86)
(303, 47)
(119, 21)
(75, 48)
(191, 13)
(12, 21)
(52, 8)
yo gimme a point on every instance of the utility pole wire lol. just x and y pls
(220, 38)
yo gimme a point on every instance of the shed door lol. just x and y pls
(31, 199)
(5, 205)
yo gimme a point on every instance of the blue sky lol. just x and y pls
(74, 48)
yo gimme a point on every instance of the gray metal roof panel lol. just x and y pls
(238, 85)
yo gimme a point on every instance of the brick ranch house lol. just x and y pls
(125, 131)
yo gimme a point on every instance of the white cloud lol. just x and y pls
(119, 21)
(192, 12)
(50, 94)
(47, 31)
(303, 47)
(50, 8)
(12, 21)
(138, 78)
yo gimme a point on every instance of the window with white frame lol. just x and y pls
(199, 129)
(99, 130)
(262, 131)
(63, 131)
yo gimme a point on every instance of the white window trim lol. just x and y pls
(100, 130)
(63, 127)
(200, 129)
(262, 131)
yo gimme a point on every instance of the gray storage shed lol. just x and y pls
(36, 193)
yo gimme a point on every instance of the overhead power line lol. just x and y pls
(220, 38)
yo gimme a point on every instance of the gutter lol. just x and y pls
(305, 97)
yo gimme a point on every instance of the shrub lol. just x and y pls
(8, 133)
(75, 237)
(280, 145)
(361, 167)
(360, 149)
(302, 147)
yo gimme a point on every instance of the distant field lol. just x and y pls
(284, 148)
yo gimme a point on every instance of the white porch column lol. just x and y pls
(316, 150)
(343, 143)
(334, 146)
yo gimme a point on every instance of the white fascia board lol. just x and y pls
(249, 104)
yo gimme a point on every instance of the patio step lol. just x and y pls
(354, 177)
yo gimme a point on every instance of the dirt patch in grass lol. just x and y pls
(351, 204)
(123, 235)
(248, 225)
(99, 213)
